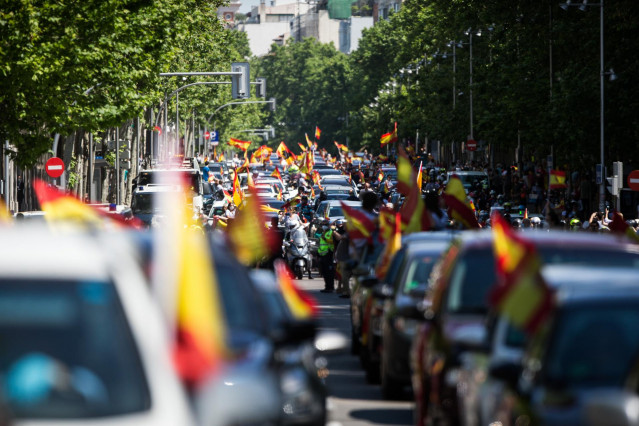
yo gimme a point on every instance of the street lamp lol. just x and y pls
(602, 74)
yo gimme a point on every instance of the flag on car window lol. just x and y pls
(300, 303)
(458, 208)
(520, 292)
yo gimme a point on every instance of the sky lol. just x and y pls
(247, 5)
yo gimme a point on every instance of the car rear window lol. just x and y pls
(473, 274)
(66, 351)
(419, 269)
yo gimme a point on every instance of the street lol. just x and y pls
(352, 401)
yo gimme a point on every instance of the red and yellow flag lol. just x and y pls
(393, 244)
(557, 179)
(520, 292)
(315, 176)
(619, 226)
(458, 208)
(382, 158)
(60, 206)
(244, 167)
(302, 147)
(292, 203)
(389, 137)
(200, 347)
(308, 141)
(414, 214)
(318, 132)
(247, 234)
(358, 224)
(276, 173)
(380, 176)
(340, 146)
(243, 145)
(300, 303)
(419, 177)
(281, 149)
(238, 194)
(221, 157)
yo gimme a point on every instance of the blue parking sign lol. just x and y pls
(215, 136)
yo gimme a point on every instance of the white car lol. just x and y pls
(84, 342)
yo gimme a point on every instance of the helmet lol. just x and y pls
(340, 222)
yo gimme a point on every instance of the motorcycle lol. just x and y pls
(297, 253)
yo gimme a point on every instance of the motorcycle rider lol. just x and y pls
(325, 253)
(305, 209)
(293, 226)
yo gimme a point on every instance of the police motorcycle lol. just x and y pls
(296, 247)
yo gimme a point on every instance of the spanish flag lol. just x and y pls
(200, 347)
(340, 146)
(318, 132)
(244, 167)
(60, 206)
(619, 226)
(239, 144)
(419, 177)
(557, 179)
(221, 157)
(393, 244)
(389, 137)
(276, 173)
(281, 149)
(308, 141)
(458, 208)
(300, 303)
(358, 224)
(382, 158)
(238, 194)
(249, 239)
(302, 147)
(520, 292)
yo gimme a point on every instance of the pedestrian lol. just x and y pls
(325, 253)
(20, 193)
(205, 172)
(342, 258)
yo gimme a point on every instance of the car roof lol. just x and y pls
(426, 236)
(339, 203)
(472, 239)
(581, 284)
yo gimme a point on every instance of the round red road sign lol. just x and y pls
(207, 135)
(54, 167)
(633, 180)
(471, 145)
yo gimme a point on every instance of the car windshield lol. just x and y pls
(335, 181)
(206, 187)
(419, 269)
(335, 211)
(67, 351)
(193, 177)
(142, 203)
(593, 345)
(473, 274)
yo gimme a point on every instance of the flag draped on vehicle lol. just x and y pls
(520, 292)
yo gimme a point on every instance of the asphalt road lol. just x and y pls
(352, 401)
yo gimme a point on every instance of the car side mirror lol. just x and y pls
(368, 281)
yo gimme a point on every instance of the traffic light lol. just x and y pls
(617, 170)
(260, 90)
(240, 84)
(613, 185)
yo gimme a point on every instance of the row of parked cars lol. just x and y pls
(84, 338)
(427, 325)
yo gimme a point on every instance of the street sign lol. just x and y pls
(207, 135)
(633, 180)
(54, 167)
(215, 136)
(471, 145)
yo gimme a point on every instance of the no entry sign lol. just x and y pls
(54, 167)
(633, 180)
(207, 135)
(471, 145)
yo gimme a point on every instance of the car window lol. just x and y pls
(66, 351)
(419, 269)
(241, 306)
(335, 211)
(473, 274)
(593, 345)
